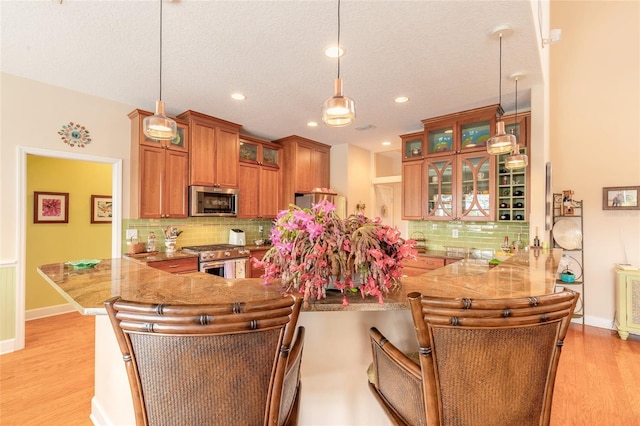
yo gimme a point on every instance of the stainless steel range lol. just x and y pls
(223, 260)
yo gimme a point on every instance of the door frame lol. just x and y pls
(21, 203)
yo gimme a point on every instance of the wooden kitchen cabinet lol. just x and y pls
(255, 271)
(176, 266)
(259, 179)
(513, 185)
(412, 192)
(306, 166)
(455, 180)
(412, 146)
(159, 172)
(214, 149)
(461, 132)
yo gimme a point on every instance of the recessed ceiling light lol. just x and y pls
(312, 124)
(238, 96)
(334, 51)
(401, 99)
(386, 143)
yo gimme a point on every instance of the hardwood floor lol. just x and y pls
(50, 382)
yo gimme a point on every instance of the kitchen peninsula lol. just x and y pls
(336, 352)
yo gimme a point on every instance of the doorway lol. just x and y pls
(116, 226)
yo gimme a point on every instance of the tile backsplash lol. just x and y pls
(483, 236)
(195, 231)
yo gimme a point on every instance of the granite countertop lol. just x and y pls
(528, 274)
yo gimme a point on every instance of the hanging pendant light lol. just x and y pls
(516, 160)
(159, 126)
(338, 110)
(501, 142)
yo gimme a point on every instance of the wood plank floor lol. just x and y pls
(50, 382)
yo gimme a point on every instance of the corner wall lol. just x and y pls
(595, 133)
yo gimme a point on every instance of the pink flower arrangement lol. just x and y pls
(313, 248)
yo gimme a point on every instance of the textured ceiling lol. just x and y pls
(438, 53)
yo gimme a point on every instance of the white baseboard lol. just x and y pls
(98, 416)
(48, 311)
(7, 346)
(599, 322)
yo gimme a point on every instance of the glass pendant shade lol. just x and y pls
(516, 161)
(502, 142)
(338, 110)
(159, 126)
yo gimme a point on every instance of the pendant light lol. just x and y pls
(501, 142)
(159, 126)
(338, 110)
(516, 160)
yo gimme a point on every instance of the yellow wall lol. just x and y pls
(60, 242)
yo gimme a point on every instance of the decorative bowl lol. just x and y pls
(258, 242)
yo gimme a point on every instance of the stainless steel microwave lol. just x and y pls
(213, 201)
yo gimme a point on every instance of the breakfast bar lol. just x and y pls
(336, 352)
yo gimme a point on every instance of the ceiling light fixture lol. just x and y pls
(401, 99)
(159, 126)
(516, 160)
(338, 110)
(334, 51)
(501, 142)
(312, 124)
(238, 96)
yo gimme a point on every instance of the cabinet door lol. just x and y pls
(412, 190)
(440, 139)
(305, 174)
(412, 146)
(475, 187)
(441, 192)
(202, 154)
(474, 134)
(226, 163)
(269, 196)
(254, 271)
(176, 182)
(249, 151)
(152, 170)
(248, 183)
(320, 167)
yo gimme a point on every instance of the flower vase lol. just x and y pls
(170, 244)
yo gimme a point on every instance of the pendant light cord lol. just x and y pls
(339, 39)
(500, 81)
(160, 50)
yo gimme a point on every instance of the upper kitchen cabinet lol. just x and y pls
(213, 151)
(260, 178)
(159, 172)
(412, 146)
(465, 131)
(307, 167)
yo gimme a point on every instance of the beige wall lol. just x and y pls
(595, 132)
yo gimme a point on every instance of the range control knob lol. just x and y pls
(227, 254)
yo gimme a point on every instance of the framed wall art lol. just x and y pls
(620, 198)
(101, 209)
(50, 207)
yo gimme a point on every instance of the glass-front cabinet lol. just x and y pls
(475, 186)
(253, 150)
(440, 187)
(412, 146)
(461, 132)
(459, 187)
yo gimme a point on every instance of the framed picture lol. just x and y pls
(101, 209)
(50, 207)
(620, 198)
